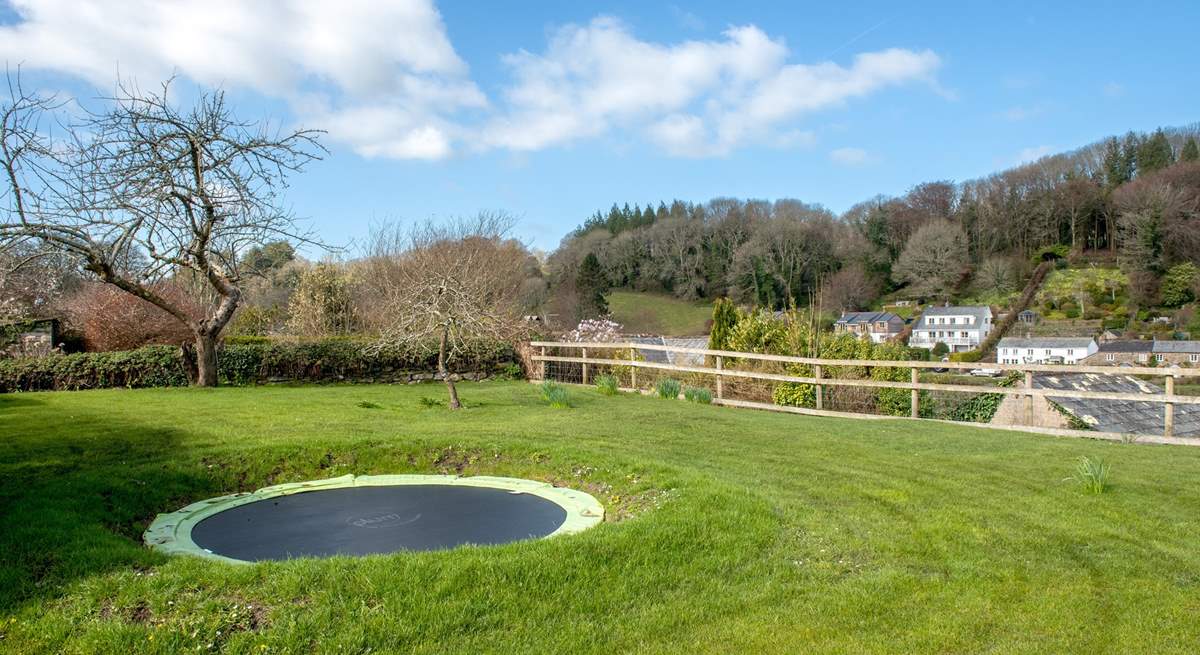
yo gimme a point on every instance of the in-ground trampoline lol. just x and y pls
(372, 514)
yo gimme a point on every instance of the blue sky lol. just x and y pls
(551, 110)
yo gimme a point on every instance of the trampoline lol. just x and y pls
(368, 515)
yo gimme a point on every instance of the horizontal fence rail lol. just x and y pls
(587, 363)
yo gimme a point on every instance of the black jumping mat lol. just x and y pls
(370, 520)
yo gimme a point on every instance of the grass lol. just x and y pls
(668, 388)
(728, 530)
(1092, 474)
(607, 385)
(658, 313)
(555, 395)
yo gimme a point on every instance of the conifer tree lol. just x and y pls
(1190, 152)
(592, 286)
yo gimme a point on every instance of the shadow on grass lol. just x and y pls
(76, 499)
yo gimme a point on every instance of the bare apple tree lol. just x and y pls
(454, 284)
(146, 192)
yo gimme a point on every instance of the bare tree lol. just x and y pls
(184, 190)
(452, 283)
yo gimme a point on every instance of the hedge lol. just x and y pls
(251, 363)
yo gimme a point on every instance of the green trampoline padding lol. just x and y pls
(371, 514)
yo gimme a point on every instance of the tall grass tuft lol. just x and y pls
(555, 395)
(698, 395)
(1092, 474)
(668, 388)
(606, 384)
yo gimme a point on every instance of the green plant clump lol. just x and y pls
(606, 385)
(555, 395)
(698, 395)
(668, 388)
(1092, 474)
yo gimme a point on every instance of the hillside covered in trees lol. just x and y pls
(1132, 199)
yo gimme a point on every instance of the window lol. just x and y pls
(1030, 352)
(953, 321)
(1110, 357)
(1159, 358)
(1143, 357)
(1071, 352)
(964, 334)
(1194, 357)
(1047, 352)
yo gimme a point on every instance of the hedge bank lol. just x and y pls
(332, 360)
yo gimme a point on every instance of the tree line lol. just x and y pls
(1136, 196)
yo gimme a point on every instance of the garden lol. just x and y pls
(724, 529)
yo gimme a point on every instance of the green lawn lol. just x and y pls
(658, 313)
(730, 530)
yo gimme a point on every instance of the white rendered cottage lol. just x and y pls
(960, 328)
(1044, 350)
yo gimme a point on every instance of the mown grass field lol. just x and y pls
(729, 530)
(659, 313)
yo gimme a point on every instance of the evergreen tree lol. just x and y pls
(592, 287)
(724, 320)
(1190, 152)
(1117, 170)
(1154, 153)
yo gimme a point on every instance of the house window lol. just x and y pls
(965, 334)
(1143, 357)
(1029, 352)
(1110, 357)
(1159, 358)
(1194, 357)
(1047, 352)
(1070, 352)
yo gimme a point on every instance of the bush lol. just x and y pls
(968, 356)
(555, 395)
(698, 395)
(794, 394)
(606, 384)
(940, 349)
(327, 360)
(668, 388)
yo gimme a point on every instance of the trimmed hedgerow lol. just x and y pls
(328, 360)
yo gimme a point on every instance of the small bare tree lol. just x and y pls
(147, 192)
(451, 283)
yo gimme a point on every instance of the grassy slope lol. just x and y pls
(655, 313)
(778, 533)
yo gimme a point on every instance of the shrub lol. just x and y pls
(555, 395)
(1178, 284)
(668, 388)
(794, 394)
(698, 395)
(940, 349)
(241, 363)
(968, 356)
(1092, 474)
(606, 384)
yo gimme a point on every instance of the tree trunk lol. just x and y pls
(200, 360)
(454, 403)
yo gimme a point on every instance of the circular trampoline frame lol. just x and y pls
(172, 533)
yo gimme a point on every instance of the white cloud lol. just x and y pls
(850, 156)
(693, 98)
(379, 76)
(385, 78)
(1016, 114)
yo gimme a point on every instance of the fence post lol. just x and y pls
(543, 363)
(720, 388)
(584, 351)
(916, 395)
(1169, 409)
(820, 387)
(1028, 398)
(632, 368)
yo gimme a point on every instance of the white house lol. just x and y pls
(1044, 350)
(960, 328)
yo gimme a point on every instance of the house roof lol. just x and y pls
(1126, 346)
(1122, 416)
(854, 318)
(980, 312)
(1164, 346)
(1045, 342)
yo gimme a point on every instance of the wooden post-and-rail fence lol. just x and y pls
(720, 371)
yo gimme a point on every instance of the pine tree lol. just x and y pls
(1190, 152)
(1154, 153)
(1116, 168)
(592, 286)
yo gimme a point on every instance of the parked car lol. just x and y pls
(941, 369)
(986, 372)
